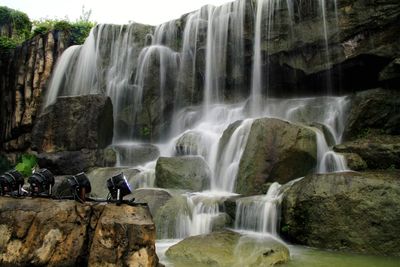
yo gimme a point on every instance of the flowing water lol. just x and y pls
(194, 73)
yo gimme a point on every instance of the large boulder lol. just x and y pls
(276, 151)
(226, 249)
(73, 162)
(189, 172)
(154, 197)
(346, 211)
(192, 143)
(376, 109)
(74, 123)
(43, 232)
(377, 151)
(136, 154)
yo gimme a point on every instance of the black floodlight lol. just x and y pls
(41, 182)
(80, 186)
(11, 181)
(118, 187)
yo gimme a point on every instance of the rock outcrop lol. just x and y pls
(276, 151)
(136, 154)
(24, 75)
(228, 249)
(74, 123)
(377, 151)
(373, 110)
(346, 211)
(42, 232)
(189, 172)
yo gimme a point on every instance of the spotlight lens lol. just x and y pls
(118, 182)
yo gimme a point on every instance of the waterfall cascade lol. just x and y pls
(192, 78)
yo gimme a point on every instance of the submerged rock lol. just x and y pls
(74, 123)
(346, 211)
(42, 232)
(228, 249)
(189, 172)
(276, 151)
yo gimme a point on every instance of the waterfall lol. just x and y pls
(204, 77)
(328, 160)
(260, 213)
(226, 170)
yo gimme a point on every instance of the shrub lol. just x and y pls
(26, 164)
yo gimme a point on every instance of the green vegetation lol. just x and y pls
(26, 164)
(78, 30)
(16, 27)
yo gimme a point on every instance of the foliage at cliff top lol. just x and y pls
(16, 27)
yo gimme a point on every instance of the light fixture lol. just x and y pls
(118, 187)
(11, 181)
(80, 186)
(41, 182)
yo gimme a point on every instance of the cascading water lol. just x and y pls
(194, 77)
(259, 213)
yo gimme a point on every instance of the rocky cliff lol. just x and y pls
(42, 232)
(24, 75)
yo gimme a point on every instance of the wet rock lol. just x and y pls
(192, 143)
(355, 162)
(136, 154)
(74, 123)
(345, 211)
(378, 151)
(376, 109)
(42, 232)
(155, 198)
(167, 217)
(73, 162)
(228, 249)
(276, 151)
(189, 172)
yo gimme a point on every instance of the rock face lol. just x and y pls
(41, 232)
(228, 249)
(73, 162)
(374, 110)
(190, 172)
(136, 154)
(74, 123)
(276, 151)
(155, 198)
(377, 151)
(24, 75)
(346, 211)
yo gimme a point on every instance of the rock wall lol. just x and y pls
(24, 75)
(42, 232)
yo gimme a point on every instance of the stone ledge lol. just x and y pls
(38, 232)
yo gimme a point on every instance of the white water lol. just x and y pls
(259, 213)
